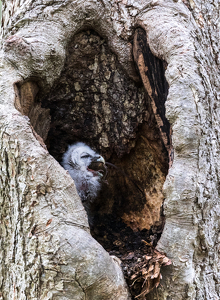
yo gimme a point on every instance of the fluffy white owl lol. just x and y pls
(83, 164)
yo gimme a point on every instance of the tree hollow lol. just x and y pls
(96, 102)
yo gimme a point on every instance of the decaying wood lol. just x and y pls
(28, 92)
(152, 71)
(25, 102)
(94, 101)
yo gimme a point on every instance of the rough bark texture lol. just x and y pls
(39, 212)
(46, 249)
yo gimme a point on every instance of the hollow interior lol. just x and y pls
(96, 102)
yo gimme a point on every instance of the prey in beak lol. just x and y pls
(98, 167)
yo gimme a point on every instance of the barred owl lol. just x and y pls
(86, 167)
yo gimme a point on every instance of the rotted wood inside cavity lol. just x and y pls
(25, 102)
(94, 101)
(152, 72)
(24, 96)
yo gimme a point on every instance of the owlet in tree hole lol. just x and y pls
(86, 167)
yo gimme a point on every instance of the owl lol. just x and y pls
(87, 169)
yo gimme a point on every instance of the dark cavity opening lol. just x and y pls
(95, 101)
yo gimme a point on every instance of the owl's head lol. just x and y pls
(81, 157)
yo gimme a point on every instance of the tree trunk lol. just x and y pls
(138, 81)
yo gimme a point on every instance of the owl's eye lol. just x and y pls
(86, 156)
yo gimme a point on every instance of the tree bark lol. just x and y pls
(47, 251)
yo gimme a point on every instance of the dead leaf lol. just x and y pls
(48, 222)
(148, 273)
(128, 257)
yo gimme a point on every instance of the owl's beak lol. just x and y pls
(99, 159)
(98, 167)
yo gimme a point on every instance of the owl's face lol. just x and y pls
(84, 158)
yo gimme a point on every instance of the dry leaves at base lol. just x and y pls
(148, 273)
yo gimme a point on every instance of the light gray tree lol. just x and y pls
(46, 249)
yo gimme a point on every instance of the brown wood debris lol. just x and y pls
(145, 274)
(151, 70)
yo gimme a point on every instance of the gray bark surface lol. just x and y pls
(46, 249)
(45, 244)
